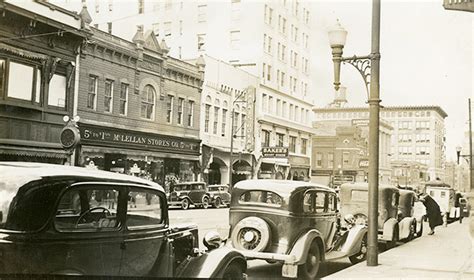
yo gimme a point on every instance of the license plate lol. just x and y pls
(289, 270)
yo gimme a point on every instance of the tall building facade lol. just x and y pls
(269, 39)
(418, 132)
(228, 97)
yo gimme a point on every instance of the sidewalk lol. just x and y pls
(448, 254)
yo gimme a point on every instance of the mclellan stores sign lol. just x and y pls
(103, 136)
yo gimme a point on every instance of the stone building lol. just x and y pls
(39, 53)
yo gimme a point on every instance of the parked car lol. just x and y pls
(292, 222)
(354, 200)
(408, 217)
(219, 195)
(74, 221)
(189, 193)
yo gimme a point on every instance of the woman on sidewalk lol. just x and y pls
(433, 212)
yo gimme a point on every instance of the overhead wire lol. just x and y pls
(60, 33)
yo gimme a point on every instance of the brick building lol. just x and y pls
(39, 45)
(139, 109)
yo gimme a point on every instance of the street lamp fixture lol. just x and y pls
(368, 66)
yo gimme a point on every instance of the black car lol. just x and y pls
(187, 194)
(74, 221)
(219, 195)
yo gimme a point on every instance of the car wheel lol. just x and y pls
(392, 243)
(205, 202)
(251, 234)
(217, 202)
(362, 254)
(310, 268)
(233, 271)
(185, 204)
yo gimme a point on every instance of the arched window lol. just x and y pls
(148, 102)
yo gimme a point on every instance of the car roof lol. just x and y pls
(29, 171)
(365, 185)
(281, 187)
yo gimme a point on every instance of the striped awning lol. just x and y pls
(33, 152)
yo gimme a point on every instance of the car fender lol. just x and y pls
(182, 197)
(212, 264)
(354, 240)
(388, 227)
(301, 246)
(404, 227)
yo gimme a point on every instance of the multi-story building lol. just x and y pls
(139, 108)
(227, 91)
(339, 157)
(360, 161)
(38, 65)
(409, 174)
(269, 39)
(418, 132)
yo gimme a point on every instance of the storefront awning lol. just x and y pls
(276, 161)
(33, 152)
(138, 155)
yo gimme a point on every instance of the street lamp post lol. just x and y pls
(368, 66)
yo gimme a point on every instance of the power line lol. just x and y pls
(59, 33)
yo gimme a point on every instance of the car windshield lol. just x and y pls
(29, 208)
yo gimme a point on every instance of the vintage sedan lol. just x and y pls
(408, 217)
(187, 194)
(354, 200)
(75, 221)
(219, 195)
(292, 222)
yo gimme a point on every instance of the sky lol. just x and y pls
(426, 57)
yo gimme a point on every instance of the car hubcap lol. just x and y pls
(249, 238)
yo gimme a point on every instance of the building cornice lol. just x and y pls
(438, 109)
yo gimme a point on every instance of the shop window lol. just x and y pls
(180, 110)
(20, 88)
(191, 113)
(92, 92)
(148, 102)
(123, 98)
(108, 96)
(57, 91)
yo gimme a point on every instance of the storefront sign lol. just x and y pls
(275, 152)
(133, 139)
(299, 160)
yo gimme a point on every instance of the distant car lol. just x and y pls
(292, 222)
(445, 196)
(74, 221)
(219, 195)
(187, 194)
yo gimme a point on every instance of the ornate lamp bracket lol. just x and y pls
(362, 64)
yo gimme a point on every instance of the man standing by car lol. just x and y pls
(432, 211)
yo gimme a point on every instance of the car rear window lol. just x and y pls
(265, 197)
(358, 195)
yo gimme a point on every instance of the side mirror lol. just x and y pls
(212, 240)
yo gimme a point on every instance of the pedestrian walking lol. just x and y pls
(433, 212)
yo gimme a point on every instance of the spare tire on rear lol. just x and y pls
(251, 234)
